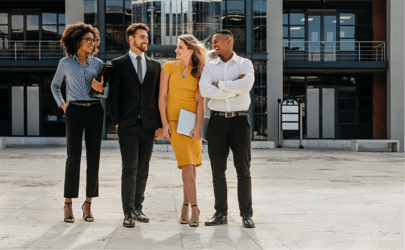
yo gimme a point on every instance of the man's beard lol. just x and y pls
(139, 46)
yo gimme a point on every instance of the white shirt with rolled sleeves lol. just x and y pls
(233, 93)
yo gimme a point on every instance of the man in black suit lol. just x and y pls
(134, 94)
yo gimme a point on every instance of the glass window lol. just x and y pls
(297, 44)
(236, 7)
(260, 73)
(347, 32)
(114, 12)
(260, 127)
(114, 39)
(61, 18)
(128, 12)
(297, 31)
(49, 18)
(347, 44)
(49, 32)
(239, 36)
(347, 19)
(285, 31)
(346, 117)
(259, 39)
(259, 12)
(346, 91)
(61, 29)
(285, 19)
(364, 18)
(3, 37)
(3, 18)
(90, 12)
(260, 100)
(297, 19)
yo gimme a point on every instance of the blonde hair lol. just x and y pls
(199, 57)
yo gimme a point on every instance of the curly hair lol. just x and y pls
(199, 57)
(73, 35)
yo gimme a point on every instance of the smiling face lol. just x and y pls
(222, 44)
(182, 51)
(84, 45)
(139, 41)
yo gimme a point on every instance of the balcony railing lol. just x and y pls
(30, 50)
(332, 51)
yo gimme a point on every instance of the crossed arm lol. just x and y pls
(227, 89)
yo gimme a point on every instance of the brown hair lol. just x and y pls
(199, 58)
(74, 33)
(131, 30)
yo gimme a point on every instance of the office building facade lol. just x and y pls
(341, 59)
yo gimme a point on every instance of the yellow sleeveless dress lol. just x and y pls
(182, 94)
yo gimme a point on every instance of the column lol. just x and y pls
(74, 11)
(274, 65)
(395, 81)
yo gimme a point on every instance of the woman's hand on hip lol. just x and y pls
(196, 134)
(167, 131)
(98, 86)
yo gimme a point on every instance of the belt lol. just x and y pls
(230, 114)
(84, 104)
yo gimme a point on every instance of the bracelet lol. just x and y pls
(165, 125)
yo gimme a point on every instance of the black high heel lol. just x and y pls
(69, 219)
(88, 216)
(184, 221)
(194, 223)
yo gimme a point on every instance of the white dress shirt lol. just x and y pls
(233, 93)
(135, 63)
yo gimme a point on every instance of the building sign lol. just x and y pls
(290, 115)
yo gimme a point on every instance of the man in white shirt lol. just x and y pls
(227, 81)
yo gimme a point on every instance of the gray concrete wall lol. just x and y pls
(74, 10)
(395, 84)
(274, 65)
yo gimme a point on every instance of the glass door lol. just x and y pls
(25, 36)
(321, 37)
(314, 38)
(329, 37)
(17, 36)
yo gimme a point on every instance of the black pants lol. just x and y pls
(136, 144)
(233, 133)
(90, 119)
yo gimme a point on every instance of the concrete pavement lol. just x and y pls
(302, 199)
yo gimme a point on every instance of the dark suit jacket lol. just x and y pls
(129, 98)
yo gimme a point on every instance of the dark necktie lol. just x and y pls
(139, 58)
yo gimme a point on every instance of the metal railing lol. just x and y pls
(30, 50)
(331, 51)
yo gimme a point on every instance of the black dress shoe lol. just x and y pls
(129, 220)
(247, 221)
(139, 216)
(217, 219)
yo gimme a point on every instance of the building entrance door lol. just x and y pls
(320, 112)
(25, 110)
(322, 37)
(24, 27)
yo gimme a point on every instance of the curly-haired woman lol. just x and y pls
(79, 69)
(179, 90)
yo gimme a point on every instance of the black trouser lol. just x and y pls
(233, 133)
(136, 144)
(90, 119)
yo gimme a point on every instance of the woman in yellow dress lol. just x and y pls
(179, 90)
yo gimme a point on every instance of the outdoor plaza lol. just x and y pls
(302, 199)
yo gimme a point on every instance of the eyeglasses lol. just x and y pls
(89, 40)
